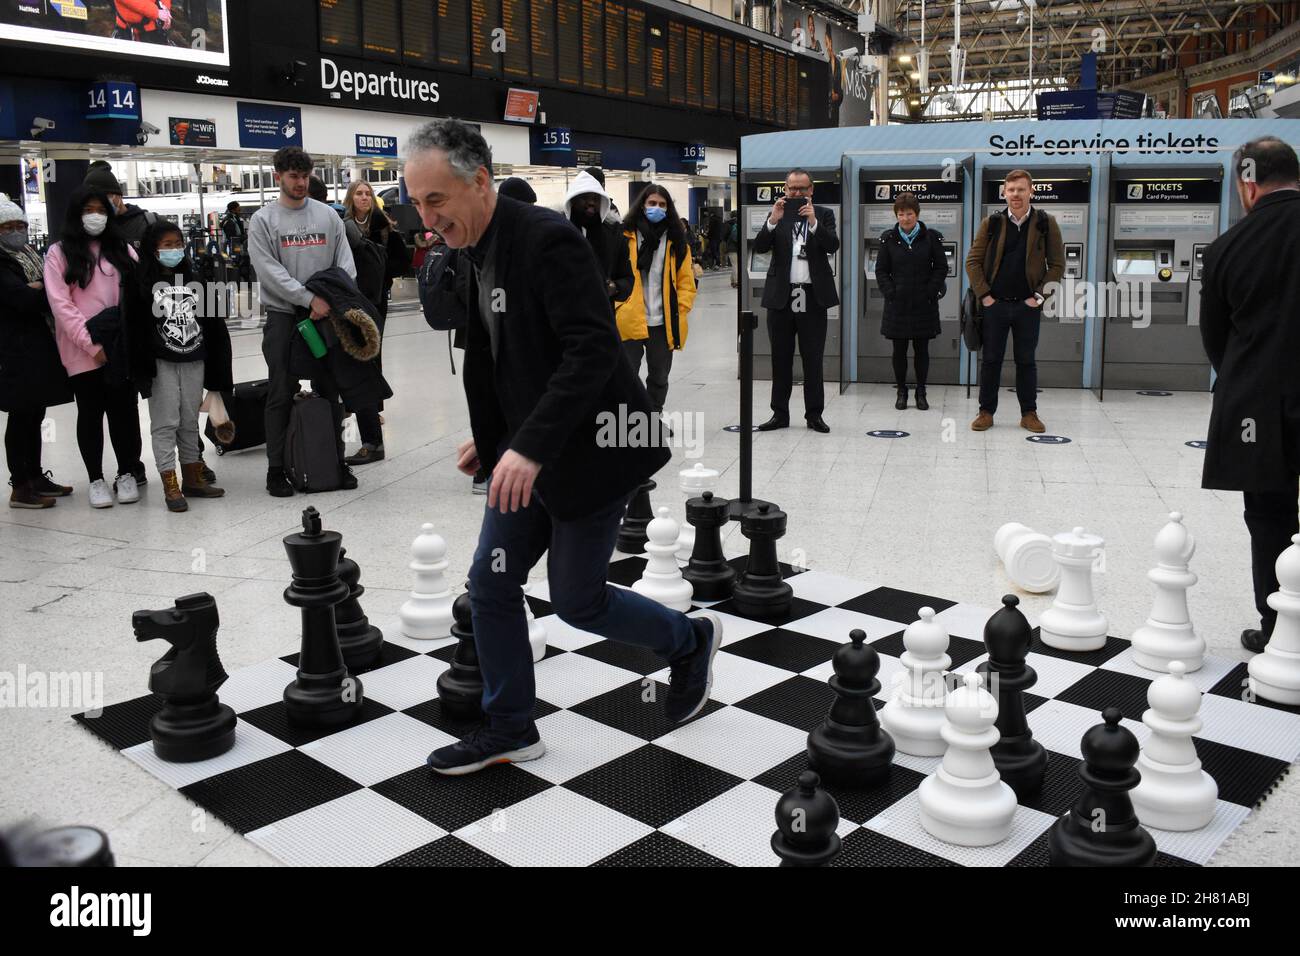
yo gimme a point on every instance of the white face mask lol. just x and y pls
(94, 223)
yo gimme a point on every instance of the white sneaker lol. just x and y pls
(128, 492)
(100, 495)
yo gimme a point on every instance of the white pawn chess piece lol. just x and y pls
(965, 801)
(1275, 674)
(694, 481)
(1026, 555)
(1168, 635)
(426, 616)
(662, 579)
(1073, 622)
(536, 629)
(914, 714)
(1175, 793)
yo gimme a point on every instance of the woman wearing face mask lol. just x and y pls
(31, 375)
(185, 350)
(652, 320)
(84, 278)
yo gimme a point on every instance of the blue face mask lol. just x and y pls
(171, 258)
(655, 213)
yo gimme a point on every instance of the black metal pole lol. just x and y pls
(748, 322)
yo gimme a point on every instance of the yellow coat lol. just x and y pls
(679, 294)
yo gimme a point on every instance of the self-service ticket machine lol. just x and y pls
(1064, 193)
(1162, 219)
(941, 210)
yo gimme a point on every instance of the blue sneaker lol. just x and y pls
(691, 676)
(484, 747)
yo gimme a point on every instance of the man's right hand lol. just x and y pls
(320, 309)
(988, 300)
(467, 457)
(778, 210)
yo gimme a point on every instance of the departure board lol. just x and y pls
(676, 63)
(778, 90)
(340, 26)
(769, 85)
(514, 20)
(709, 92)
(417, 33)
(694, 56)
(656, 41)
(755, 88)
(484, 17)
(635, 52)
(379, 29)
(726, 78)
(791, 91)
(740, 70)
(542, 40)
(805, 99)
(615, 49)
(568, 31)
(453, 35)
(593, 45)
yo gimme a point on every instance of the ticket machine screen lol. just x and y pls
(758, 262)
(1135, 262)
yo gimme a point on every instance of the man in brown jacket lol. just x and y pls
(1013, 275)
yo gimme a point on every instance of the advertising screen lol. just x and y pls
(188, 32)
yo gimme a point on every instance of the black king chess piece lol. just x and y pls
(708, 571)
(193, 724)
(849, 746)
(359, 640)
(460, 687)
(806, 818)
(632, 537)
(761, 592)
(1101, 828)
(1020, 759)
(323, 694)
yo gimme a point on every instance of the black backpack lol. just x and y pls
(311, 459)
(371, 261)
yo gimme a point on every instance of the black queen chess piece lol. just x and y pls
(323, 695)
(460, 686)
(849, 746)
(806, 819)
(761, 592)
(632, 536)
(193, 723)
(708, 571)
(359, 640)
(1020, 759)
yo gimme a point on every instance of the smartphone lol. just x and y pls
(794, 203)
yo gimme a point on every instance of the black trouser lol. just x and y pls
(658, 361)
(96, 399)
(921, 359)
(784, 326)
(1272, 519)
(368, 424)
(23, 444)
(1022, 323)
(277, 347)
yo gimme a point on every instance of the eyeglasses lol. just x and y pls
(797, 190)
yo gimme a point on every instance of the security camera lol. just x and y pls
(148, 128)
(850, 54)
(291, 74)
(41, 126)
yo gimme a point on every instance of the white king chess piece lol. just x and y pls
(1275, 674)
(914, 714)
(1168, 634)
(1026, 556)
(1175, 793)
(694, 481)
(426, 615)
(662, 579)
(1073, 622)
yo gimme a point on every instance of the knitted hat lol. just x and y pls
(9, 211)
(100, 175)
(517, 188)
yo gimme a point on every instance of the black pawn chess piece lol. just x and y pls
(1020, 759)
(632, 537)
(460, 687)
(359, 640)
(849, 746)
(709, 573)
(761, 592)
(193, 724)
(323, 695)
(806, 819)
(1101, 828)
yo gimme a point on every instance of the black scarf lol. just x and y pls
(651, 233)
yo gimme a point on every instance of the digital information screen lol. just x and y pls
(514, 20)
(568, 29)
(417, 33)
(485, 16)
(542, 40)
(792, 91)
(755, 88)
(805, 99)
(615, 49)
(593, 45)
(778, 91)
(656, 41)
(635, 52)
(379, 29)
(726, 75)
(340, 26)
(89, 28)
(694, 54)
(453, 35)
(741, 73)
(709, 94)
(676, 63)
(769, 85)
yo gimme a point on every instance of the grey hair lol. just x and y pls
(463, 145)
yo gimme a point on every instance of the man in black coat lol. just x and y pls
(1251, 331)
(565, 427)
(800, 287)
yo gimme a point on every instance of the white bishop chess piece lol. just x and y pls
(536, 629)
(1275, 674)
(662, 579)
(426, 616)
(1168, 635)
(1175, 793)
(1073, 622)
(693, 481)
(914, 715)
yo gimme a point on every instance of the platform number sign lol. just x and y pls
(557, 140)
(113, 99)
(693, 153)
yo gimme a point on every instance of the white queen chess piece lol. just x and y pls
(1275, 674)
(662, 579)
(1026, 555)
(914, 715)
(1073, 622)
(1175, 793)
(1168, 635)
(426, 616)
(693, 481)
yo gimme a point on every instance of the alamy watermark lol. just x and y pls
(1072, 300)
(638, 429)
(60, 689)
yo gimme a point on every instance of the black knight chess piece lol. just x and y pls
(1101, 828)
(761, 592)
(1020, 759)
(632, 537)
(193, 724)
(849, 746)
(323, 695)
(359, 640)
(460, 687)
(806, 819)
(709, 573)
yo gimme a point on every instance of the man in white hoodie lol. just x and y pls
(587, 206)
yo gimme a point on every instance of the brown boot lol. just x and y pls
(25, 496)
(172, 496)
(194, 485)
(983, 422)
(1030, 422)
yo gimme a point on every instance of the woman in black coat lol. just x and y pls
(910, 271)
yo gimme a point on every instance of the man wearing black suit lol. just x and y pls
(548, 388)
(800, 287)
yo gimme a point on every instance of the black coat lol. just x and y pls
(821, 245)
(31, 374)
(912, 280)
(361, 384)
(559, 372)
(1250, 324)
(218, 375)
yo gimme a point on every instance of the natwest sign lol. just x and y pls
(337, 81)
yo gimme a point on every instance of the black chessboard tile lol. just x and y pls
(788, 650)
(446, 851)
(389, 653)
(1103, 688)
(274, 719)
(799, 608)
(455, 802)
(1033, 702)
(627, 709)
(857, 804)
(261, 793)
(653, 785)
(1037, 854)
(539, 607)
(123, 725)
(659, 849)
(1061, 785)
(869, 848)
(431, 713)
(445, 654)
(630, 657)
(1233, 685)
(787, 570)
(1244, 777)
(895, 605)
(1113, 646)
(626, 572)
(800, 702)
(960, 649)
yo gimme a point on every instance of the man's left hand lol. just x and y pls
(809, 213)
(1032, 302)
(512, 482)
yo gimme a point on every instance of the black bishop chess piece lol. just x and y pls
(323, 695)
(1101, 828)
(460, 687)
(708, 571)
(761, 592)
(193, 724)
(1020, 759)
(632, 537)
(359, 640)
(849, 746)
(806, 819)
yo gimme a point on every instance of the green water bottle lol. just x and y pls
(307, 328)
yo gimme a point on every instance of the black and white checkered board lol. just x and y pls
(620, 786)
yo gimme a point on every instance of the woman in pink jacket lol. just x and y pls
(83, 279)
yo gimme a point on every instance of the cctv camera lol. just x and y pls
(850, 54)
(41, 126)
(148, 128)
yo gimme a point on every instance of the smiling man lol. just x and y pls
(543, 367)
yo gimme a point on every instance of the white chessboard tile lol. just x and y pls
(1275, 733)
(565, 636)
(251, 745)
(378, 749)
(359, 829)
(251, 687)
(1055, 675)
(736, 628)
(735, 678)
(405, 683)
(823, 587)
(576, 744)
(736, 741)
(1198, 846)
(835, 623)
(569, 679)
(540, 590)
(1060, 726)
(556, 827)
(902, 822)
(1204, 677)
(965, 620)
(925, 765)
